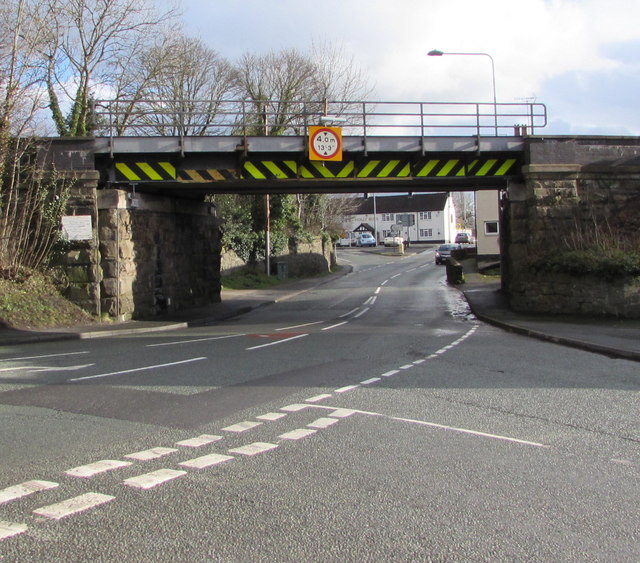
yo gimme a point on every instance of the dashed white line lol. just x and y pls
(407, 366)
(271, 416)
(134, 370)
(361, 313)
(202, 440)
(206, 461)
(73, 505)
(335, 325)
(91, 469)
(276, 342)
(153, 453)
(153, 479)
(242, 426)
(178, 342)
(318, 398)
(300, 326)
(254, 449)
(390, 373)
(369, 381)
(297, 434)
(349, 313)
(9, 529)
(346, 388)
(25, 489)
(22, 358)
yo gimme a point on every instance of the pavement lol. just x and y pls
(618, 338)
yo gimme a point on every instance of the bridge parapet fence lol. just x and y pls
(243, 118)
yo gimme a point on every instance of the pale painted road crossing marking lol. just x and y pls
(347, 388)
(271, 416)
(253, 449)
(153, 479)
(342, 413)
(294, 407)
(153, 453)
(369, 381)
(73, 505)
(9, 529)
(206, 461)
(318, 398)
(198, 441)
(86, 471)
(242, 426)
(297, 434)
(323, 422)
(25, 489)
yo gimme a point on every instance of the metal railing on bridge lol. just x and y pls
(246, 118)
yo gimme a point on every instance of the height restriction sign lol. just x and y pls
(325, 143)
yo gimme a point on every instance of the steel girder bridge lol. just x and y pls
(190, 150)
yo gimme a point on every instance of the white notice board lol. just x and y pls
(77, 227)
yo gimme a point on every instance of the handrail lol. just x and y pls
(154, 117)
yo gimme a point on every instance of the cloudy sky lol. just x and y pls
(581, 58)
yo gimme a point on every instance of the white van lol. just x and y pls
(348, 239)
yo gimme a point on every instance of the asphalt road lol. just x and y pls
(371, 419)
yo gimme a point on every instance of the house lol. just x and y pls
(416, 217)
(488, 225)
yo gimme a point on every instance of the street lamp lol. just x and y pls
(436, 53)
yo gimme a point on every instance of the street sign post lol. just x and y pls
(325, 143)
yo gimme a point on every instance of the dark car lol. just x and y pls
(444, 251)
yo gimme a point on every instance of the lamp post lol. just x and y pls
(436, 53)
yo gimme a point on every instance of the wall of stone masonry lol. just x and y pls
(157, 254)
(598, 185)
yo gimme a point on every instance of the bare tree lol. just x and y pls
(86, 36)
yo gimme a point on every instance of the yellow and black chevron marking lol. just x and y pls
(207, 175)
(380, 168)
(144, 171)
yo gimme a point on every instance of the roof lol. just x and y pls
(401, 203)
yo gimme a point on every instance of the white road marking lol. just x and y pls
(199, 441)
(342, 413)
(206, 461)
(59, 368)
(73, 505)
(178, 342)
(384, 283)
(347, 388)
(300, 326)
(369, 381)
(334, 326)
(153, 479)
(242, 426)
(318, 398)
(153, 453)
(91, 469)
(297, 434)
(361, 312)
(378, 289)
(294, 408)
(9, 529)
(347, 314)
(406, 366)
(420, 361)
(323, 422)
(390, 373)
(25, 489)
(392, 277)
(277, 342)
(134, 370)
(467, 431)
(254, 449)
(270, 416)
(19, 359)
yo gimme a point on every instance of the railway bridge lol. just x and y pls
(143, 179)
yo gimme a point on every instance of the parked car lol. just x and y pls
(444, 251)
(348, 239)
(366, 239)
(463, 238)
(393, 241)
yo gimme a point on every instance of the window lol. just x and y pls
(425, 215)
(426, 233)
(491, 227)
(387, 216)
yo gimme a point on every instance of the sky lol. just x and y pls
(580, 58)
